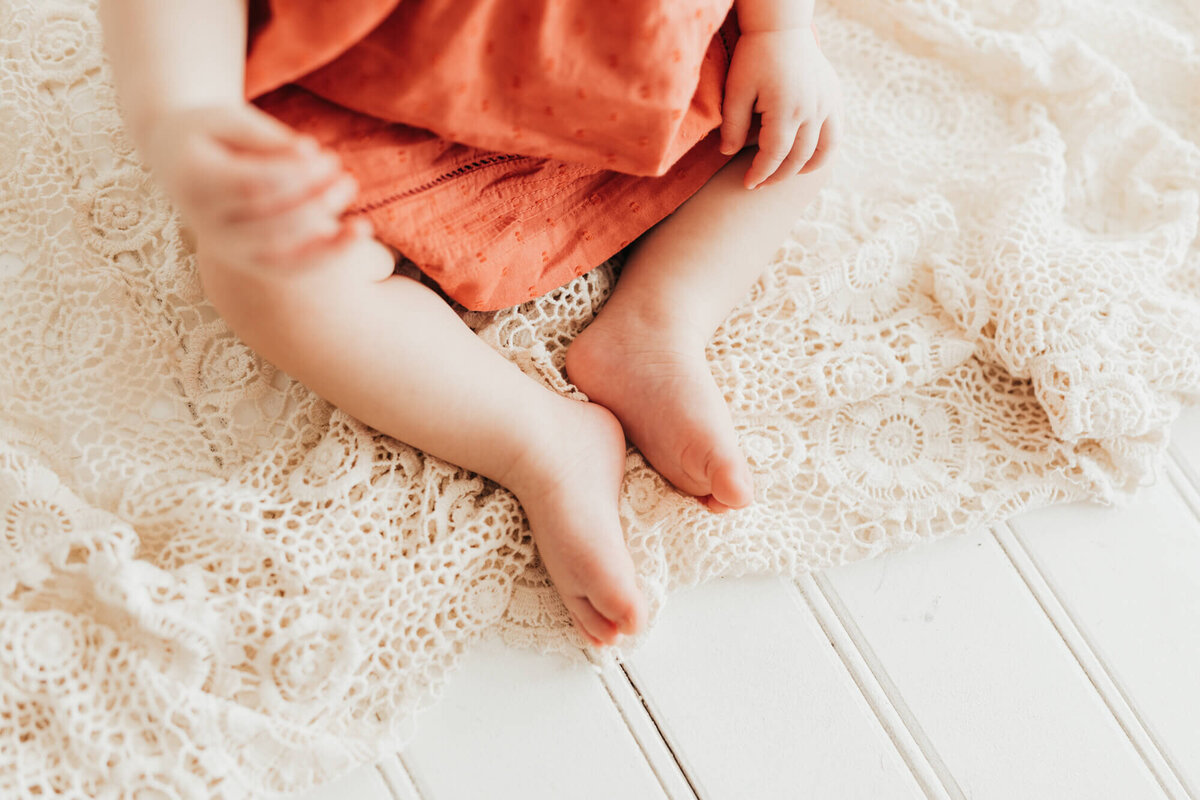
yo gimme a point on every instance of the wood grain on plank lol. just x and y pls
(991, 684)
(756, 704)
(513, 723)
(1130, 580)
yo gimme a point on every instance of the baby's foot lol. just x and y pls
(656, 380)
(569, 487)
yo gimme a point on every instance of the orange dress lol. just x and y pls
(504, 146)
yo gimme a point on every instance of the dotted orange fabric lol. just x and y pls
(505, 146)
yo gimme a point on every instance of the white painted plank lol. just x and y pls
(1112, 694)
(1130, 580)
(363, 783)
(515, 724)
(910, 740)
(985, 676)
(755, 702)
(396, 776)
(645, 730)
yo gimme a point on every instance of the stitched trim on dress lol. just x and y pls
(500, 158)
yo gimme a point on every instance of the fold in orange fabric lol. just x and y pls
(504, 146)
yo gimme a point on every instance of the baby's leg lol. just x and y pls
(389, 351)
(643, 356)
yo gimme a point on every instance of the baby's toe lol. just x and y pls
(696, 461)
(582, 630)
(594, 623)
(621, 603)
(713, 504)
(721, 471)
(732, 483)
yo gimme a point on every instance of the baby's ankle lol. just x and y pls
(543, 452)
(666, 325)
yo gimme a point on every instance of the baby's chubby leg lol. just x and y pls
(389, 351)
(643, 357)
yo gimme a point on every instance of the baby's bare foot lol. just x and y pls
(657, 382)
(568, 485)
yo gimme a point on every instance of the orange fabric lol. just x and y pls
(505, 146)
(291, 39)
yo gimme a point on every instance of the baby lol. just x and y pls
(309, 144)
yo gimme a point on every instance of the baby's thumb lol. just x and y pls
(253, 130)
(737, 110)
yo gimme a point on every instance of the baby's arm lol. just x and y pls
(255, 191)
(778, 71)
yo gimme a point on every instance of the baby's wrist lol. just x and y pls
(802, 36)
(774, 16)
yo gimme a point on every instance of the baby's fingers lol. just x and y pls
(261, 187)
(271, 238)
(775, 141)
(352, 231)
(830, 136)
(802, 150)
(257, 132)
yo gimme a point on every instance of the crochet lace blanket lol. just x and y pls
(214, 583)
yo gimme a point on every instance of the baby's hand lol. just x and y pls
(255, 191)
(784, 76)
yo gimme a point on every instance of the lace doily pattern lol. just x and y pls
(212, 583)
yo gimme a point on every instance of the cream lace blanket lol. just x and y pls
(212, 582)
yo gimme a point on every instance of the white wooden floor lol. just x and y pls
(1056, 656)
